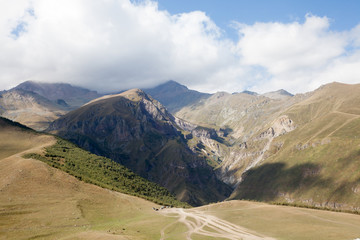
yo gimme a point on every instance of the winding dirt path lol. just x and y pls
(198, 222)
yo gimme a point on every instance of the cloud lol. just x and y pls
(111, 45)
(297, 56)
(108, 45)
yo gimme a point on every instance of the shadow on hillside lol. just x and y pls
(267, 182)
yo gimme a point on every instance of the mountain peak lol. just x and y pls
(171, 85)
(31, 85)
(175, 96)
(279, 94)
(134, 94)
(250, 93)
(283, 92)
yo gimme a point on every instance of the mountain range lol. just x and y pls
(277, 147)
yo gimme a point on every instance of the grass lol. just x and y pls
(49, 204)
(283, 222)
(41, 202)
(14, 138)
(314, 207)
(318, 170)
(103, 172)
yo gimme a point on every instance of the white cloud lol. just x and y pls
(110, 45)
(296, 55)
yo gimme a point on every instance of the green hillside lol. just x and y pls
(103, 172)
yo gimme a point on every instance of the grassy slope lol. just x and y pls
(14, 138)
(291, 223)
(42, 202)
(103, 172)
(38, 201)
(319, 163)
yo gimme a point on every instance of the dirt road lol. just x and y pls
(198, 222)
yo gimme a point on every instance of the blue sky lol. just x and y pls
(343, 14)
(207, 45)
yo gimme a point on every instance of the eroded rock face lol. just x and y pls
(283, 125)
(185, 125)
(280, 126)
(239, 158)
(202, 132)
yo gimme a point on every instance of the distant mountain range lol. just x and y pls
(60, 93)
(29, 108)
(37, 104)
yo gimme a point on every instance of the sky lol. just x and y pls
(207, 45)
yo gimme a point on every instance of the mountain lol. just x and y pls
(318, 162)
(29, 108)
(175, 96)
(300, 150)
(279, 94)
(249, 92)
(239, 121)
(243, 114)
(138, 132)
(61, 93)
(37, 104)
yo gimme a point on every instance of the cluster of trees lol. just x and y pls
(104, 172)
